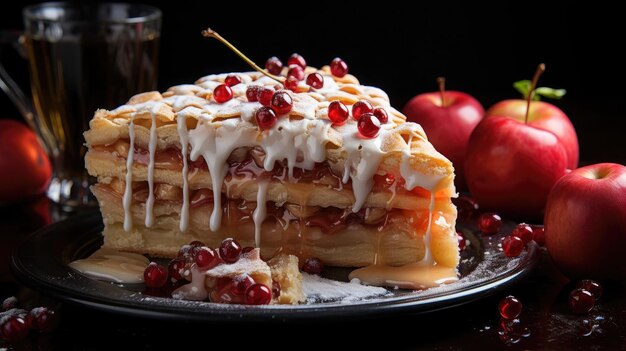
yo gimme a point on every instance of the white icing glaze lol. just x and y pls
(364, 156)
(260, 212)
(412, 178)
(128, 191)
(215, 145)
(183, 135)
(428, 260)
(152, 151)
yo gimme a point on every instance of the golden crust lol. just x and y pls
(190, 100)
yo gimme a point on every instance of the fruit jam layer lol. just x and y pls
(239, 212)
(248, 164)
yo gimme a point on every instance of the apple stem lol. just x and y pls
(441, 81)
(540, 69)
(210, 33)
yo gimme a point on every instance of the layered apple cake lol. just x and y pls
(334, 173)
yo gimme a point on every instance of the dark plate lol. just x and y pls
(41, 263)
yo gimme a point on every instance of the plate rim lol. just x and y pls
(216, 312)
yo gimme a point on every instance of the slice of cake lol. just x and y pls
(333, 173)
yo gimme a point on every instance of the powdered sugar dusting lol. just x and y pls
(318, 289)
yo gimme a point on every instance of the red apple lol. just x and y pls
(511, 166)
(585, 222)
(24, 166)
(448, 118)
(545, 116)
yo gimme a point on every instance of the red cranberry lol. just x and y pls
(461, 240)
(282, 102)
(177, 268)
(232, 80)
(524, 232)
(581, 301)
(230, 250)
(592, 286)
(265, 118)
(360, 108)
(241, 285)
(155, 275)
(381, 114)
(247, 249)
(258, 294)
(466, 206)
(539, 235)
(296, 72)
(313, 265)
(489, 223)
(222, 93)
(338, 67)
(9, 303)
(338, 113)
(297, 60)
(368, 125)
(291, 83)
(512, 246)
(264, 96)
(274, 65)
(14, 329)
(315, 80)
(206, 258)
(42, 319)
(252, 92)
(275, 288)
(510, 307)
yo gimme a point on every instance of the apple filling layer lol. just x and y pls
(337, 236)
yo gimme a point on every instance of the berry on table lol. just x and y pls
(581, 301)
(512, 246)
(592, 286)
(510, 307)
(524, 232)
(489, 223)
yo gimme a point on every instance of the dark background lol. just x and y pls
(481, 49)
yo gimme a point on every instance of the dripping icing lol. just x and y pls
(152, 151)
(128, 190)
(183, 135)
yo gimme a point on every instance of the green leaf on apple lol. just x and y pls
(524, 87)
(550, 93)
